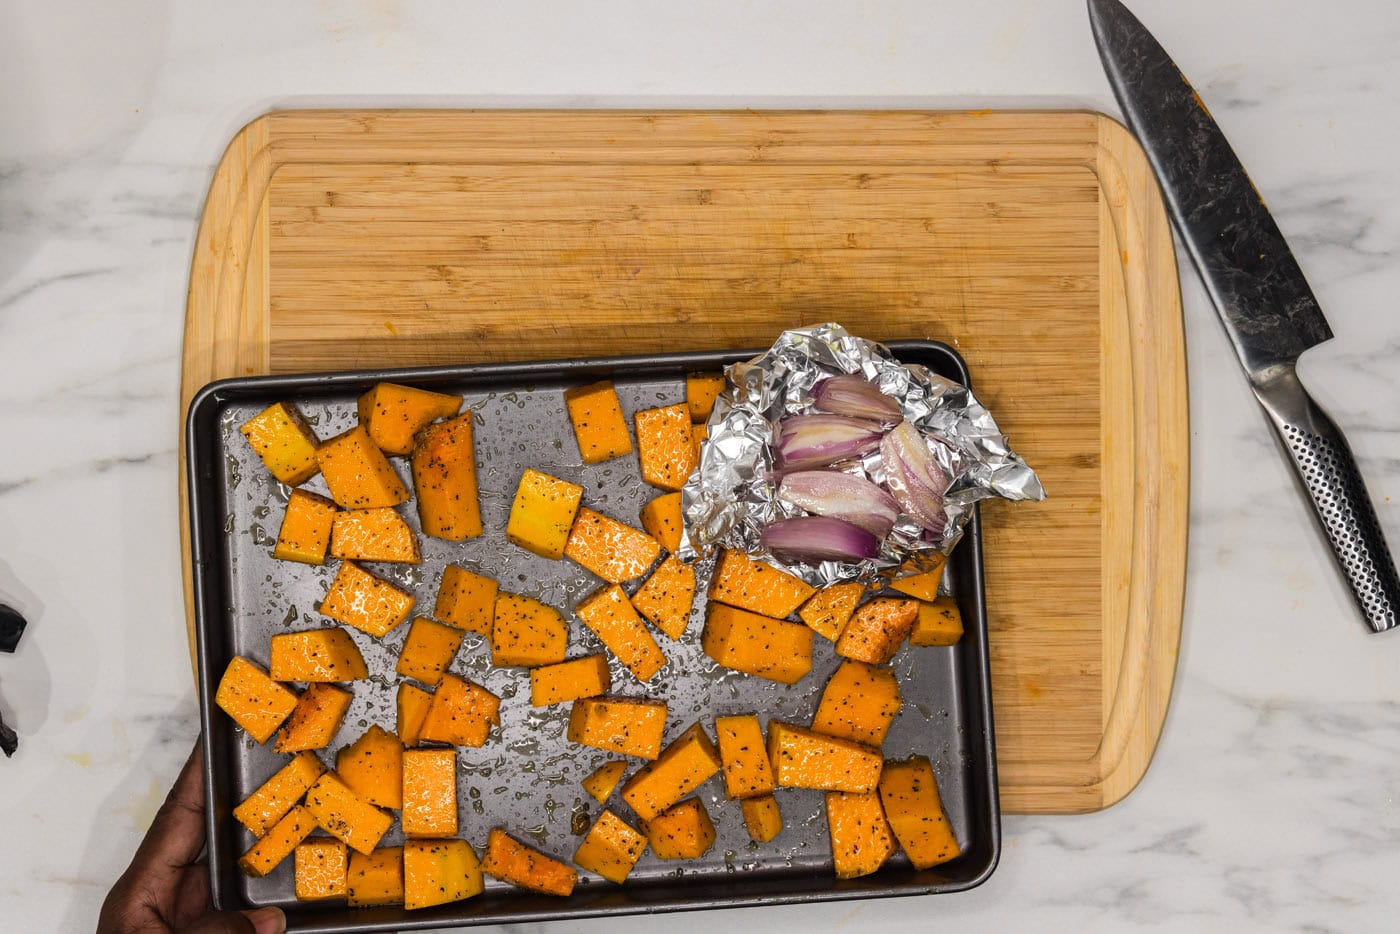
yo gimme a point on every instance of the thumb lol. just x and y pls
(261, 921)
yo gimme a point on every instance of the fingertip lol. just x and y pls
(267, 920)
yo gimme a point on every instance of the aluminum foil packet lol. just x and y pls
(733, 495)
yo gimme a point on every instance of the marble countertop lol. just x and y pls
(1273, 801)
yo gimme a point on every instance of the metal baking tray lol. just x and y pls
(527, 776)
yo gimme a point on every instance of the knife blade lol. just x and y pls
(1268, 308)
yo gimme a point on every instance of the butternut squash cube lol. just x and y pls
(762, 818)
(274, 798)
(877, 630)
(701, 391)
(372, 766)
(770, 648)
(751, 585)
(466, 600)
(284, 442)
(663, 521)
(603, 781)
(830, 608)
(569, 681)
(461, 714)
(267, 854)
(807, 759)
(699, 434)
(393, 414)
(429, 793)
(412, 705)
(747, 771)
(306, 529)
(543, 513)
(254, 701)
(859, 703)
(444, 477)
(684, 766)
(922, 585)
(317, 655)
(428, 650)
(374, 535)
(316, 718)
(665, 446)
(667, 596)
(939, 623)
(358, 598)
(512, 862)
(436, 872)
(612, 618)
(357, 473)
(625, 725)
(613, 551)
(909, 793)
(599, 427)
(683, 831)
(610, 848)
(527, 633)
(345, 815)
(322, 869)
(861, 840)
(375, 878)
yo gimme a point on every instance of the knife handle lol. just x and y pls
(1325, 463)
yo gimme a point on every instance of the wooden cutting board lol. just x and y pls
(1035, 243)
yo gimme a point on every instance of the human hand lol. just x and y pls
(166, 887)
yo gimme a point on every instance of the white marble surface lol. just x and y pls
(1273, 801)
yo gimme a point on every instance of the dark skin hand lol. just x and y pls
(166, 887)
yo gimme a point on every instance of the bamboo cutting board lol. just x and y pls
(1034, 242)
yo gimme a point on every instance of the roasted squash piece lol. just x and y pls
(542, 513)
(619, 724)
(699, 434)
(747, 771)
(373, 767)
(830, 608)
(254, 701)
(461, 714)
(613, 551)
(762, 818)
(527, 633)
(268, 853)
(569, 681)
(909, 793)
(374, 535)
(411, 705)
(859, 703)
(807, 759)
(861, 840)
(667, 596)
(306, 528)
(284, 442)
(316, 718)
(701, 391)
(685, 765)
(877, 630)
(610, 848)
(357, 473)
(274, 798)
(612, 619)
(444, 477)
(770, 648)
(939, 623)
(665, 446)
(751, 585)
(375, 878)
(428, 649)
(436, 872)
(603, 780)
(322, 869)
(466, 600)
(512, 862)
(317, 655)
(683, 831)
(922, 585)
(599, 427)
(429, 793)
(663, 521)
(393, 414)
(358, 598)
(345, 815)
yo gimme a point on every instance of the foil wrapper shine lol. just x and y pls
(732, 496)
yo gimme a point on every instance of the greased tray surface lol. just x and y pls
(526, 778)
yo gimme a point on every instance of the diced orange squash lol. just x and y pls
(859, 703)
(762, 818)
(254, 701)
(306, 528)
(316, 718)
(665, 446)
(393, 414)
(922, 585)
(466, 600)
(682, 831)
(322, 869)
(436, 872)
(569, 681)
(610, 848)
(512, 862)
(770, 648)
(429, 793)
(667, 596)
(603, 781)
(861, 840)
(412, 705)
(357, 473)
(613, 551)
(699, 434)
(358, 598)
(373, 767)
(345, 815)
(527, 633)
(878, 629)
(626, 725)
(599, 427)
(909, 793)
(751, 585)
(375, 878)
(374, 535)
(279, 843)
(444, 479)
(317, 655)
(939, 623)
(807, 759)
(428, 650)
(701, 391)
(747, 771)
(284, 442)
(543, 513)
(275, 797)
(830, 608)
(613, 619)
(662, 520)
(461, 714)
(684, 766)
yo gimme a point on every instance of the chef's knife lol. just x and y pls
(1267, 306)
